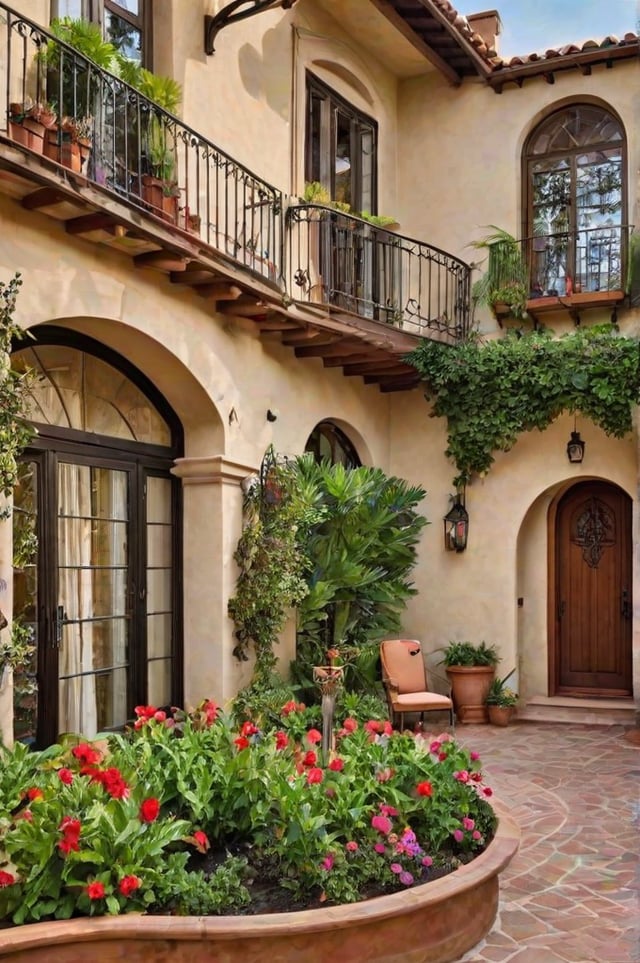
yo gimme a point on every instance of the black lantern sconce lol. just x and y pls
(575, 448)
(456, 525)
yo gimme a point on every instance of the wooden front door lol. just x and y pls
(592, 652)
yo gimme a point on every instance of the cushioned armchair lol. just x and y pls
(405, 680)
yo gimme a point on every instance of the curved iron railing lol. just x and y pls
(337, 259)
(107, 130)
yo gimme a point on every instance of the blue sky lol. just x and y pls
(529, 25)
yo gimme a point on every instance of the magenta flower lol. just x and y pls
(395, 868)
(458, 835)
(474, 756)
(328, 861)
(462, 776)
(379, 848)
(406, 878)
(351, 846)
(427, 861)
(468, 823)
(382, 824)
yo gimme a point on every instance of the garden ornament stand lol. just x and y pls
(329, 679)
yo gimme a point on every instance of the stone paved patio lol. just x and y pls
(572, 894)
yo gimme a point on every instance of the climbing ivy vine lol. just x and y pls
(490, 392)
(15, 431)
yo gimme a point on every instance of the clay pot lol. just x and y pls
(470, 688)
(500, 715)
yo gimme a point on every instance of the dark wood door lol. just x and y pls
(593, 591)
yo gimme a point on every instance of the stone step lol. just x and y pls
(603, 712)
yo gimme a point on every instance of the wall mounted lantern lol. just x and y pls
(575, 448)
(456, 525)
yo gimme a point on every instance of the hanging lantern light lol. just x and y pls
(456, 525)
(575, 448)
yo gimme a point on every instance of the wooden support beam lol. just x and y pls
(305, 336)
(388, 382)
(44, 197)
(193, 276)
(98, 221)
(396, 385)
(161, 261)
(219, 291)
(363, 357)
(251, 309)
(375, 367)
(336, 346)
(272, 324)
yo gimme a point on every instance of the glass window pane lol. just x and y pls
(159, 676)
(91, 543)
(96, 644)
(92, 703)
(133, 6)
(124, 36)
(159, 635)
(159, 545)
(158, 590)
(158, 499)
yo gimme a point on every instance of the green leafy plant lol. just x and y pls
(315, 193)
(500, 694)
(15, 431)
(490, 392)
(378, 220)
(468, 654)
(17, 650)
(506, 279)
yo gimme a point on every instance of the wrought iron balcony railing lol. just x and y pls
(63, 106)
(346, 262)
(589, 260)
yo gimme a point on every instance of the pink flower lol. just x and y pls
(395, 868)
(379, 848)
(315, 776)
(328, 861)
(458, 835)
(149, 810)
(65, 776)
(406, 878)
(336, 765)
(424, 788)
(476, 835)
(435, 747)
(95, 891)
(474, 756)
(6, 879)
(388, 810)
(350, 725)
(467, 823)
(351, 846)
(427, 861)
(160, 715)
(382, 824)
(461, 776)
(313, 736)
(128, 885)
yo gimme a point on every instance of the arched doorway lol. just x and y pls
(330, 442)
(590, 592)
(101, 593)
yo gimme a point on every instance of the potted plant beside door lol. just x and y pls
(501, 701)
(471, 670)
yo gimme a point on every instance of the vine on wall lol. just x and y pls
(491, 392)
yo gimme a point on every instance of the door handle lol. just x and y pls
(59, 621)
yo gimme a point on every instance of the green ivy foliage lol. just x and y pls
(15, 432)
(490, 392)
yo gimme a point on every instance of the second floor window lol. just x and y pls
(126, 23)
(340, 148)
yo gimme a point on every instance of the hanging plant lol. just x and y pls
(491, 392)
(15, 431)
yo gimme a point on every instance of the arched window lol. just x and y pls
(327, 441)
(575, 164)
(99, 589)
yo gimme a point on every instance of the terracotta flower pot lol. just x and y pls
(437, 922)
(500, 715)
(470, 686)
(29, 133)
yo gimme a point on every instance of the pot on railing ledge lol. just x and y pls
(69, 143)
(470, 670)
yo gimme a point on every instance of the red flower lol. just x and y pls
(114, 784)
(314, 776)
(160, 715)
(34, 793)
(95, 891)
(210, 710)
(289, 707)
(282, 740)
(65, 776)
(313, 736)
(310, 759)
(248, 729)
(70, 826)
(461, 776)
(388, 810)
(25, 814)
(67, 844)
(6, 879)
(128, 885)
(424, 788)
(242, 742)
(350, 725)
(86, 753)
(336, 765)
(149, 810)
(145, 711)
(487, 791)
(201, 841)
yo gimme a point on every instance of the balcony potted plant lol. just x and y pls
(505, 285)
(501, 701)
(29, 122)
(471, 670)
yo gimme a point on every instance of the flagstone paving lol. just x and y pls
(572, 893)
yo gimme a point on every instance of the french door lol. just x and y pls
(100, 591)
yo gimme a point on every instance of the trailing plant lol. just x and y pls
(17, 651)
(491, 392)
(15, 431)
(506, 279)
(361, 548)
(468, 654)
(271, 563)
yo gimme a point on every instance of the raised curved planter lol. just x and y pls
(434, 923)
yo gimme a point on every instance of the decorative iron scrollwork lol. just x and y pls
(234, 12)
(594, 530)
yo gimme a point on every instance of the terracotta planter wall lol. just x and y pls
(500, 715)
(435, 923)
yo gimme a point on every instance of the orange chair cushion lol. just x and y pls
(421, 702)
